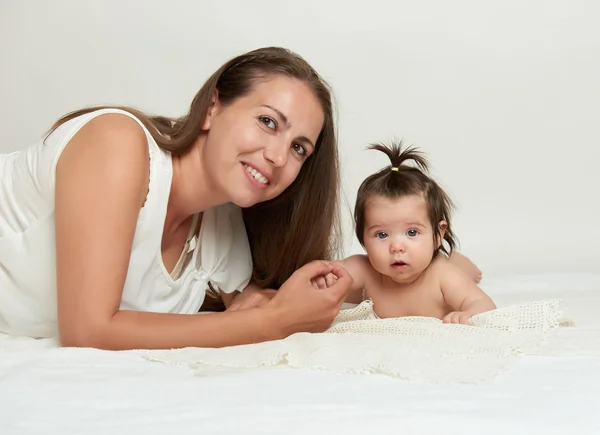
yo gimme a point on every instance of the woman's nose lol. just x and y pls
(276, 152)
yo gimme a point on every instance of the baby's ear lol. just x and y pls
(443, 225)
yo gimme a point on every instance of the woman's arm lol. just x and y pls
(101, 183)
(102, 180)
(295, 310)
(253, 296)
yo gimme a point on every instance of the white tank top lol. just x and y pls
(220, 253)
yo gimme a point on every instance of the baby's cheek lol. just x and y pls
(380, 264)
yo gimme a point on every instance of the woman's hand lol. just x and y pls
(255, 297)
(251, 297)
(300, 306)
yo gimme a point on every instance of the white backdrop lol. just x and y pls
(503, 96)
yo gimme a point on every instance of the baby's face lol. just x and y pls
(398, 236)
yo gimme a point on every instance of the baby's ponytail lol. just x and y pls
(399, 156)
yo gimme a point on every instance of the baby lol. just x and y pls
(402, 220)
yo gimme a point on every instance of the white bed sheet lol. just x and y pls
(62, 391)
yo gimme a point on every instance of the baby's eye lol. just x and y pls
(300, 149)
(412, 233)
(268, 122)
(381, 235)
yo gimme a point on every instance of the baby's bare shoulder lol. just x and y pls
(359, 268)
(439, 265)
(358, 264)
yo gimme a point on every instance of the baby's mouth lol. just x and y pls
(399, 264)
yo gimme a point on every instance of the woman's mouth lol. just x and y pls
(258, 179)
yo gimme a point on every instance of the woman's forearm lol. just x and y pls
(143, 330)
(297, 306)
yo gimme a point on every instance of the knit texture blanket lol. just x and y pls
(414, 348)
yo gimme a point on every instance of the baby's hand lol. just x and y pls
(322, 282)
(457, 317)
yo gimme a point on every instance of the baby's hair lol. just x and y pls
(399, 180)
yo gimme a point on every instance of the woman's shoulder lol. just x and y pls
(111, 134)
(107, 156)
(108, 125)
(112, 139)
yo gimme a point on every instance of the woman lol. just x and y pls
(117, 223)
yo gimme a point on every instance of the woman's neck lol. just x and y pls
(191, 189)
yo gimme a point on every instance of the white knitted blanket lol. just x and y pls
(415, 348)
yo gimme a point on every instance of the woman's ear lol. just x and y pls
(212, 110)
(442, 226)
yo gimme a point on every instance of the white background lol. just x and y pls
(503, 96)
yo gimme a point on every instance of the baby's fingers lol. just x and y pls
(452, 317)
(457, 317)
(319, 282)
(330, 279)
(464, 318)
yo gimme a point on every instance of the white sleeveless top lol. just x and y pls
(221, 252)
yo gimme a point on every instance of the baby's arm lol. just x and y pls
(462, 294)
(357, 266)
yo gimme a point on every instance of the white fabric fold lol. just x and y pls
(415, 348)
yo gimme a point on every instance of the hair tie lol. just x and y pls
(394, 168)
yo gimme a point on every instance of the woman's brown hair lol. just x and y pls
(301, 224)
(398, 180)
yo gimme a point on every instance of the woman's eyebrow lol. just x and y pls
(280, 113)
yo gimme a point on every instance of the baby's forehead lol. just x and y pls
(401, 204)
(400, 211)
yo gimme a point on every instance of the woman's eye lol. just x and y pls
(381, 235)
(300, 149)
(268, 122)
(412, 233)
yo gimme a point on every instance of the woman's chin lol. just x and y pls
(245, 202)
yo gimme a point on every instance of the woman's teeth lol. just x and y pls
(257, 175)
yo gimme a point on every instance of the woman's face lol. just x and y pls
(256, 146)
